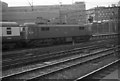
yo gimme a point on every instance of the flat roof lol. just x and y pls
(9, 24)
(52, 25)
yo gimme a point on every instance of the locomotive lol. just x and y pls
(10, 34)
(32, 34)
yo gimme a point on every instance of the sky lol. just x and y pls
(89, 3)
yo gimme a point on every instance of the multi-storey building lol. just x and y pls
(119, 19)
(103, 13)
(71, 13)
(119, 3)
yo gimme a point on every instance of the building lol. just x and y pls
(119, 3)
(103, 13)
(119, 19)
(70, 14)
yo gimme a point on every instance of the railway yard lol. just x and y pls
(60, 42)
(79, 61)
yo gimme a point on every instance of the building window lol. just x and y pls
(44, 28)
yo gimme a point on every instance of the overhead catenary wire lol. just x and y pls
(31, 4)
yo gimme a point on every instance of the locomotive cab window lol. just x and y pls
(81, 28)
(44, 28)
(8, 28)
(8, 31)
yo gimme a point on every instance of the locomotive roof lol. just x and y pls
(9, 24)
(51, 25)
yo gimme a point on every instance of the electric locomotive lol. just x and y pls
(32, 34)
(49, 34)
(10, 34)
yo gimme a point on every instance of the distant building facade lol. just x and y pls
(119, 19)
(103, 13)
(119, 3)
(70, 14)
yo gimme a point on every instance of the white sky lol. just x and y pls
(89, 3)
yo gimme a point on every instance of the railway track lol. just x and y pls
(93, 38)
(48, 68)
(11, 53)
(7, 63)
(23, 53)
(100, 72)
(14, 57)
(43, 50)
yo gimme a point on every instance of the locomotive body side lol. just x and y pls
(45, 31)
(56, 33)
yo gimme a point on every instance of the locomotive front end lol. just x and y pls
(10, 34)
